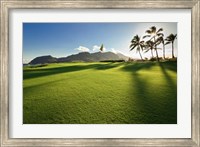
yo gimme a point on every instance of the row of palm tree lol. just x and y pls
(155, 38)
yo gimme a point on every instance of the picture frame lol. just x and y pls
(7, 5)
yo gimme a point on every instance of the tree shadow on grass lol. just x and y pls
(135, 67)
(107, 66)
(151, 103)
(34, 73)
(164, 68)
(146, 103)
(169, 65)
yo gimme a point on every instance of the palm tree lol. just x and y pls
(162, 40)
(154, 34)
(137, 43)
(149, 45)
(170, 39)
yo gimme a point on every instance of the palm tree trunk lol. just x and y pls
(172, 50)
(140, 55)
(156, 50)
(163, 51)
(157, 54)
(152, 53)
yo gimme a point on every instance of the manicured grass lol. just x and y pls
(101, 93)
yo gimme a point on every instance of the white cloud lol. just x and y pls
(96, 48)
(82, 49)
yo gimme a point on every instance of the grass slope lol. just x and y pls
(100, 93)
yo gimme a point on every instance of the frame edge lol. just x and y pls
(4, 66)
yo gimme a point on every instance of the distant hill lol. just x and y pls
(80, 57)
(43, 59)
(122, 56)
(83, 56)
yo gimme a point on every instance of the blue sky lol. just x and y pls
(63, 39)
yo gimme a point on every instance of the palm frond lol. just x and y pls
(160, 34)
(133, 40)
(148, 31)
(142, 42)
(161, 29)
(153, 29)
(168, 39)
(167, 42)
(146, 50)
(142, 46)
(133, 47)
(157, 43)
(161, 39)
(151, 38)
(171, 37)
(132, 44)
(146, 36)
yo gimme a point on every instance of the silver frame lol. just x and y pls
(6, 5)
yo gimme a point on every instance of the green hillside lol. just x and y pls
(100, 93)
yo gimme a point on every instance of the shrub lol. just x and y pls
(113, 61)
(38, 65)
(153, 59)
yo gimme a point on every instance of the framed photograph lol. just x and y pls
(100, 73)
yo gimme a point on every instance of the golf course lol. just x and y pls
(100, 93)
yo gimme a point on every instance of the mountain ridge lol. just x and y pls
(80, 57)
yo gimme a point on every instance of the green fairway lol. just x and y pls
(101, 93)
